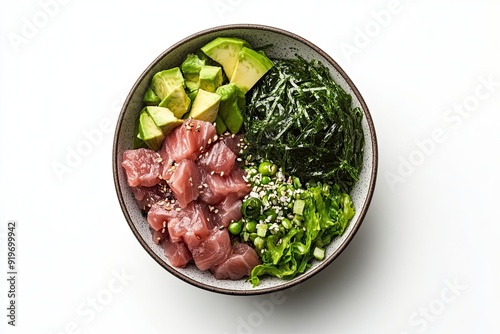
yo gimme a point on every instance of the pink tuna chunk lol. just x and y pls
(212, 251)
(161, 212)
(142, 167)
(177, 253)
(219, 187)
(234, 142)
(159, 236)
(227, 211)
(239, 264)
(147, 196)
(185, 181)
(187, 141)
(219, 159)
(193, 228)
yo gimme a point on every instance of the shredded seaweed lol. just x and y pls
(299, 118)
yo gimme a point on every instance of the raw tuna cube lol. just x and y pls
(159, 236)
(227, 211)
(185, 181)
(147, 196)
(219, 187)
(187, 141)
(219, 159)
(234, 142)
(212, 251)
(142, 167)
(191, 229)
(177, 253)
(239, 264)
(161, 212)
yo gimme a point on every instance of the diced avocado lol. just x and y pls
(205, 106)
(191, 67)
(230, 94)
(164, 119)
(234, 119)
(177, 101)
(231, 106)
(210, 78)
(165, 81)
(224, 50)
(251, 66)
(192, 85)
(220, 127)
(138, 142)
(149, 132)
(192, 95)
(150, 98)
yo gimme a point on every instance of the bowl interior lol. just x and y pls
(284, 45)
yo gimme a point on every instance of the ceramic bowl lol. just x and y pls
(284, 45)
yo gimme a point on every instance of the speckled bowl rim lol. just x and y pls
(371, 187)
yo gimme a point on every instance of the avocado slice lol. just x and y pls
(220, 127)
(191, 86)
(251, 66)
(165, 81)
(224, 50)
(205, 106)
(192, 95)
(191, 67)
(164, 119)
(149, 131)
(231, 106)
(210, 78)
(150, 98)
(177, 101)
(234, 120)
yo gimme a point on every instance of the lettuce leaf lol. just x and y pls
(327, 212)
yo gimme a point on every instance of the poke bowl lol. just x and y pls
(267, 49)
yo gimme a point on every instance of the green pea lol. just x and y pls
(265, 180)
(267, 168)
(235, 227)
(251, 226)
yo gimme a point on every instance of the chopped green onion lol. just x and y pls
(298, 206)
(319, 253)
(250, 207)
(261, 230)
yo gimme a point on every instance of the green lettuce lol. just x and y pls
(326, 214)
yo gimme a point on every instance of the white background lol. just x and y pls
(426, 259)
